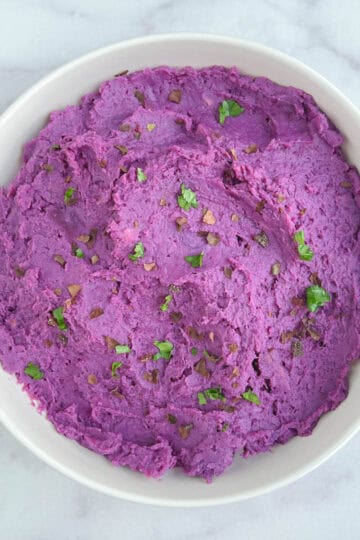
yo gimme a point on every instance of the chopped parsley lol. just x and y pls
(211, 394)
(304, 251)
(225, 426)
(59, 318)
(79, 253)
(299, 237)
(122, 349)
(34, 371)
(196, 261)
(187, 198)
(68, 195)
(227, 108)
(194, 351)
(138, 253)
(140, 175)
(316, 297)
(165, 350)
(251, 396)
(114, 367)
(165, 305)
(201, 398)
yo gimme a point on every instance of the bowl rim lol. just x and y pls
(56, 463)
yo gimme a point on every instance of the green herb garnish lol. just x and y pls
(165, 350)
(194, 351)
(304, 251)
(316, 297)
(68, 195)
(195, 260)
(141, 176)
(214, 393)
(150, 127)
(299, 238)
(122, 349)
(211, 394)
(229, 107)
(201, 398)
(225, 426)
(165, 305)
(251, 396)
(79, 253)
(34, 371)
(187, 199)
(138, 253)
(59, 318)
(114, 367)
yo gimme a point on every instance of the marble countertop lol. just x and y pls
(36, 36)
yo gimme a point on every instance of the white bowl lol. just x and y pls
(246, 478)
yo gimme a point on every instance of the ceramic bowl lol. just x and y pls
(22, 121)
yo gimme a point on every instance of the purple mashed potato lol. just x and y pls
(95, 224)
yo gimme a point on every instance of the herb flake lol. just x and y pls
(122, 349)
(96, 312)
(316, 297)
(304, 251)
(59, 318)
(79, 253)
(122, 149)
(227, 108)
(140, 97)
(175, 96)
(276, 268)
(262, 239)
(196, 261)
(249, 395)
(68, 195)
(187, 198)
(211, 394)
(184, 431)
(165, 305)
(138, 252)
(140, 175)
(114, 367)
(201, 398)
(60, 260)
(34, 371)
(165, 350)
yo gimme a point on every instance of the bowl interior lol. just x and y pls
(21, 122)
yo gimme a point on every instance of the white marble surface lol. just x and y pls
(36, 502)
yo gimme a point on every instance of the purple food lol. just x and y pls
(180, 269)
